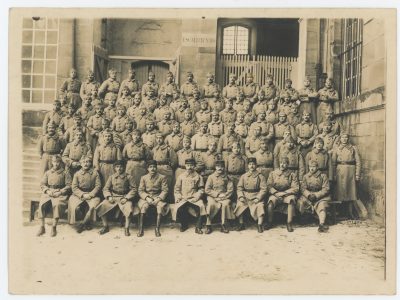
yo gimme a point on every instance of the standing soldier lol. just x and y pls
(231, 90)
(327, 96)
(189, 125)
(86, 110)
(94, 126)
(265, 158)
(281, 127)
(267, 129)
(293, 94)
(150, 85)
(136, 153)
(253, 141)
(235, 164)
(208, 159)
(226, 141)
(251, 88)
(321, 157)
(89, 85)
(330, 138)
(241, 127)
(219, 191)
(216, 102)
(168, 88)
(95, 97)
(315, 196)
(295, 158)
(216, 127)
(270, 90)
(188, 86)
(110, 112)
(251, 191)
(153, 191)
(56, 186)
(249, 116)
(261, 104)
(181, 111)
(134, 111)
(283, 187)
(86, 186)
(149, 137)
(188, 191)
(306, 133)
(183, 154)
(131, 83)
(125, 99)
(194, 100)
(346, 165)
(293, 117)
(201, 138)
(49, 145)
(238, 104)
(285, 104)
(151, 101)
(126, 135)
(119, 191)
(175, 139)
(68, 120)
(54, 116)
(70, 89)
(162, 108)
(118, 124)
(105, 127)
(271, 116)
(210, 88)
(204, 114)
(307, 98)
(228, 114)
(166, 125)
(110, 86)
(74, 151)
(166, 160)
(70, 132)
(105, 156)
(335, 123)
(143, 118)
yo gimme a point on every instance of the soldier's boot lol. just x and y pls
(289, 227)
(320, 228)
(157, 230)
(88, 226)
(199, 225)
(104, 230)
(80, 228)
(41, 231)
(241, 227)
(270, 219)
(127, 233)
(260, 228)
(224, 229)
(208, 229)
(324, 227)
(53, 232)
(140, 232)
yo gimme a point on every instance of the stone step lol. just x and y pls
(31, 171)
(31, 178)
(32, 164)
(30, 157)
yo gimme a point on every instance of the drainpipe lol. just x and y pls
(74, 44)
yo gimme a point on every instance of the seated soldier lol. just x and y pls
(119, 191)
(194, 101)
(201, 138)
(249, 116)
(55, 116)
(271, 115)
(166, 125)
(126, 135)
(315, 196)
(86, 110)
(134, 110)
(283, 187)
(175, 138)
(261, 104)
(153, 191)
(296, 162)
(253, 141)
(70, 132)
(68, 120)
(216, 127)
(183, 154)
(227, 139)
(219, 191)
(189, 125)
(204, 114)
(306, 133)
(125, 97)
(105, 127)
(180, 112)
(241, 128)
(228, 114)
(49, 145)
(188, 191)
(118, 124)
(149, 137)
(151, 101)
(208, 159)
(216, 102)
(110, 111)
(163, 107)
(294, 118)
(251, 191)
(86, 186)
(74, 151)
(321, 157)
(238, 104)
(56, 186)
(94, 126)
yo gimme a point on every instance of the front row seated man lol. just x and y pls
(315, 196)
(119, 191)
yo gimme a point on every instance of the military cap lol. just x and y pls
(151, 162)
(220, 163)
(120, 106)
(288, 80)
(70, 105)
(186, 137)
(284, 159)
(189, 73)
(119, 163)
(112, 70)
(232, 74)
(99, 105)
(188, 110)
(270, 76)
(203, 124)
(57, 157)
(159, 134)
(204, 100)
(318, 140)
(209, 74)
(136, 132)
(90, 72)
(241, 113)
(56, 101)
(262, 111)
(152, 73)
(85, 157)
(78, 116)
(282, 114)
(313, 163)
(149, 121)
(190, 161)
(252, 160)
(108, 130)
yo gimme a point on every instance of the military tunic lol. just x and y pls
(251, 185)
(327, 96)
(150, 103)
(141, 121)
(149, 138)
(210, 89)
(294, 95)
(296, 160)
(188, 192)
(70, 133)
(125, 101)
(200, 141)
(250, 91)
(187, 88)
(160, 112)
(307, 98)
(249, 117)
(216, 104)
(136, 155)
(219, 191)
(132, 84)
(285, 108)
(155, 187)
(230, 91)
(259, 107)
(168, 90)
(252, 145)
(271, 92)
(86, 112)
(175, 141)
(336, 126)
(118, 186)
(52, 116)
(110, 112)
(73, 152)
(189, 128)
(265, 161)
(150, 86)
(271, 117)
(115, 138)
(235, 166)
(194, 105)
(66, 122)
(228, 116)
(109, 86)
(283, 188)
(87, 87)
(203, 116)
(184, 154)
(317, 184)
(49, 145)
(84, 182)
(216, 129)
(280, 128)
(306, 132)
(207, 162)
(346, 165)
(71, 88)
(104, 158)
(322, 158)
(133, 112)
(94, 128)
(331, 140)
(294, 119)
(126, 137)
(166, 127)
(225, 144)
(54, 181)
(118, 124)
(242, 130)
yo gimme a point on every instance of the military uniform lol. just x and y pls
(183, 155)
(250, 91)
(86, 112)
(271, 117)
(285, 182)
(242, 129)
(215, 186)
(94, 128)
(280, 128)
(71, 88)
(235, 166)
(210, 89)
(52, 116)
(149, 138)
(296, 160)
(285, 108)
(207, 161)
(70, 133)
(115, 138)
(318, 185)
(271, 92)
(160, 112)
(249, 118)
(87, 87)
(267, 129)
(331, 140)
(84, 182)
(118, 124)
(125, 101)
(54, 181)
(109, 86)
(180, 114)
(133, 112)
(259, 107)
(225, 144)
(168, 90)
(73, 152)
(155, 187)
(216, 104)
(307, 97)
(336, 126)
(66, 122)
(200, 141)
(252, 145)
(166, 127)
(175, 141)
(190, 127)
(110, 112)
(118, 187)
(251, 185)
(194, 104)
(150, 102)
(150, 86)
(136, 155)
(294, 95)
(203, 116)
(322, 158)
(132, 84)
(327, 96)
(141, 121)
(265, 161)
(216, 129)
(230, 91)
(228, 115)
(306, 132)
(187, 88)
(49, 145)
(294, 119)
(104, 158)
(126, 137)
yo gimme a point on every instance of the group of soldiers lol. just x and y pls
(120, 148)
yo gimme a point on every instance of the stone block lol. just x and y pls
(380, 128)
(373, 29)
(373, 50)
(373, 75)
(364, 117)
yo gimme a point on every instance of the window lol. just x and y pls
(39, 60)
(235, 40)
(352, 31)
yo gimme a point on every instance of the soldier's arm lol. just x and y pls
(142, 189)
(164, 189)
(44, 183)
(133, 190)
(315, 133)
(270, 133)
(358, 162)
(303, 188)
(301, 166)
(324, 188)
(200, 188)
(294, 185)
(108, 188)
(96, 158)
(67, 181)
(229, 189)
(263, 188)
(178, 189)
(75, 187)
(240, 189)
(270, 184)
(97, 186)
(209, 188)
(102, 89)
(64, 87)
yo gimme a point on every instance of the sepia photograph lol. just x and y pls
(202, 151)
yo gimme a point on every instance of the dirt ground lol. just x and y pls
(349, 257)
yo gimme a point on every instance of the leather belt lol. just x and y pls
(235, 173)
(56, 186)
(252, 190)
(265, 166)
(346, 162)
(107, 161)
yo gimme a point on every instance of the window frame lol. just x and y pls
(236, 25)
